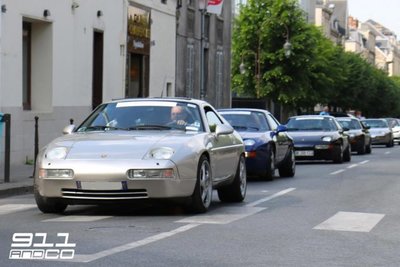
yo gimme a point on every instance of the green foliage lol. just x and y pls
(317, 71)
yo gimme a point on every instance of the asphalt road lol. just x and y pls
(327, 215)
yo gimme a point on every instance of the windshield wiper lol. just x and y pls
(102, 128)
(149, 127)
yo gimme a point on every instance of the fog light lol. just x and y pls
(158, 173)
(251, 154)
(56, 173)
(322, 147)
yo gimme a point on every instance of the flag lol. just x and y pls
(215, 6)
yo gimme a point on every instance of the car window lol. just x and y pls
(311, 124)
(376, 123)
(251, 121)
(350, 124)
(272, 121)
(212, 119)
(142, 115)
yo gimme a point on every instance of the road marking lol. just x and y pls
(352, 166)
(351, 221)
(363, 162)
(77, 218)
(337, 172)
(222, 216)
(10, 208)
(281, 193)
(387, 152)
(132, 245)
(264, 191)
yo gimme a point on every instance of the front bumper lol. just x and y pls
(381, 139)
(314, 152)
(107, 181)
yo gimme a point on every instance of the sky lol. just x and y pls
(385, 12)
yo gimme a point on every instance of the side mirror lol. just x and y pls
(279, 129)
(69, 129)
(223, 129)
(345, 129)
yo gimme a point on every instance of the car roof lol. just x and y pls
(177, 99)
(312, 116)
(244, 109)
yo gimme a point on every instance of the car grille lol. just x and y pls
(105, 194)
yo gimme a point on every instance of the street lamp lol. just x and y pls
(203, 9)
(287, 47)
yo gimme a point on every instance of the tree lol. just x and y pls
(260, 32)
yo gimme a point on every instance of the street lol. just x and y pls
(327, 215)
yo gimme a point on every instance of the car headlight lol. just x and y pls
(352, 135)
(327, 138)
(249, 142)
(57, 153)
(161, 153)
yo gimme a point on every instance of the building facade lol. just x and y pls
(217, 53)
(60, 59)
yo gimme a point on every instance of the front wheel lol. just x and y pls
(49, 205)
(202, 195)
(236, 191)
(338, 154)
(288, 168)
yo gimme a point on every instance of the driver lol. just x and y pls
(178, 115)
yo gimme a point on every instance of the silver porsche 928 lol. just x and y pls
(155, 148)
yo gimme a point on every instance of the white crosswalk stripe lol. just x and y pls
(11, 208)
(77, 218)
(351, 221)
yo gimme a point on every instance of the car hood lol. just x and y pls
(119, 145)
(379, 130)
(253, 135)
(302, 136)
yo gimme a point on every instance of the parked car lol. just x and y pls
(318, 137)
(268, 147)
(381, 132)
(394, 124)
(360, 138)
(137, 149)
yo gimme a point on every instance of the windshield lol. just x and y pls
(350, 124)
(144, 115)
(311, 124)
(247, 121)
(376, 123)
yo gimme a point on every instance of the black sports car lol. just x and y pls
(360, 138)
(319, 137)
(267, 145)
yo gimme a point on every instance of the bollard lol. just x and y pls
(36, 149)
(7, 150)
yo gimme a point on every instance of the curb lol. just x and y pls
(23, 189)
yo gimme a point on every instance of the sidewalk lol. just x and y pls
(20, 181)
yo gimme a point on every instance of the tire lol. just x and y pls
(202, 194)
(368, 149)
(270, 166)
(347, 154)
(338, 154)
(361, 148)
(390, 144)
(49, 205)
(236, 191)
(288, 168)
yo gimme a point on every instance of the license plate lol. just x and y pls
(101, 185)
(304, 153)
